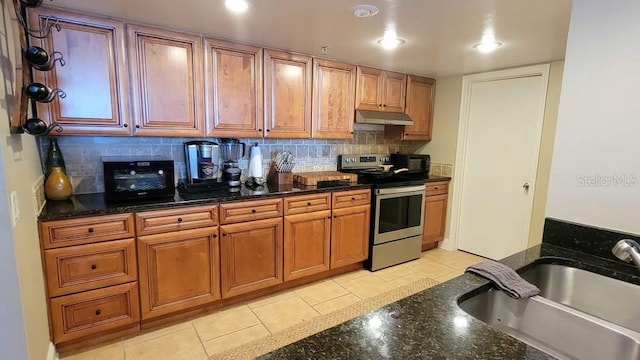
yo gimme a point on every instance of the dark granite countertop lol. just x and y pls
(95, 204)
(430, 325)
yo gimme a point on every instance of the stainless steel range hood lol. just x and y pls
(382, 118)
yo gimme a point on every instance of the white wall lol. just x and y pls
(21, 168)
(595, 174)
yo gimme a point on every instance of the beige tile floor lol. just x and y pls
(228, 328)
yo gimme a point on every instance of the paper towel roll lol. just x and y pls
(255, 162)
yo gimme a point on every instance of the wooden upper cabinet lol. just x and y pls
(166, 78)
(94, 76)
(333, 104)
(394, 92)
(380, 90)
(287, 83)
(233, 89)
(369, 88)
(419, 107)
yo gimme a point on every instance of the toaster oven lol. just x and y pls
(135, 179)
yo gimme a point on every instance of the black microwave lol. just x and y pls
(413, 162)
(135, 179)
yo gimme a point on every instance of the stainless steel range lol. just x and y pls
(398, 207)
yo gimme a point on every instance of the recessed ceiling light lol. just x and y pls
(237, 6)
(390, 43)
(487, 44)
(365, 10)
(487, 47)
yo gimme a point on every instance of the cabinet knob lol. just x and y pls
(328, 217)
(224, 234)
(94, 266)
(137, 126)
(90, 230)
(253, 211)
(308, 204)
(259, 129)
(125, 125)
(98, 312)
(380, 105)
(179, 219)
(353, 198)
(406, 134)
(335, 216)
(268, 130)
(385, 105)
(215, 236)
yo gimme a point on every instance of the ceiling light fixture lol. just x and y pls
(487, 44)
(365, 10)
(237, 6)
(390, 40)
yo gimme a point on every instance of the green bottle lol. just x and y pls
(54, 158)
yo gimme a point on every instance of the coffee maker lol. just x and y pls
(203, 166)
(231, 150)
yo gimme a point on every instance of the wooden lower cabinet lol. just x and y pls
(307, 239)
(86, 313)
(251, 256)
(435, 216)
(178, 270)
(350, 235)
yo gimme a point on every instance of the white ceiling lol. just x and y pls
(438, 33)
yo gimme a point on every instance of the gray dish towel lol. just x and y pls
(505, 278)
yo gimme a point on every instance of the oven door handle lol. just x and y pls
(400, 190)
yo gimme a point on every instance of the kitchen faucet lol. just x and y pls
(627, 250)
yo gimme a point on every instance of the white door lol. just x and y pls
(502, 120)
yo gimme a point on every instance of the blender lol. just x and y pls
(231, 150)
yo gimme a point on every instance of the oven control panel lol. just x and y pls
(362, 161)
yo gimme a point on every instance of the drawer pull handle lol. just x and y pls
(436, 188)
(180, 220)
(94, 266)
(91, 230)
(308, 204)
(253, 211)
(98, 312)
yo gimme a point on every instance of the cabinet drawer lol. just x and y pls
(437, 188)
(307, 203)
(88, 313)
(250, 210)
(87, 267)
(344, 199)
(163, 221)
(87, 230)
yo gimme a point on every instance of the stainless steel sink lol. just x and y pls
(609, 299)
(579, 315)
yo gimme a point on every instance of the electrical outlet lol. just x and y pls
(15, 209)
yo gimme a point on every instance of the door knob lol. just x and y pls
(525, 186)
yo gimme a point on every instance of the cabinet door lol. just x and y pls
(166, 77)
(233, 89)
(287, 82)
(394, 91)
(94, 76)
(350, 235)
(420, 98)
(251, 256)
(435, 216)
(333, 107)
(178, 270)
(369, 88)
(306, 244)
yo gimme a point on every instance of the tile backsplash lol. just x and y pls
(82, 153)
